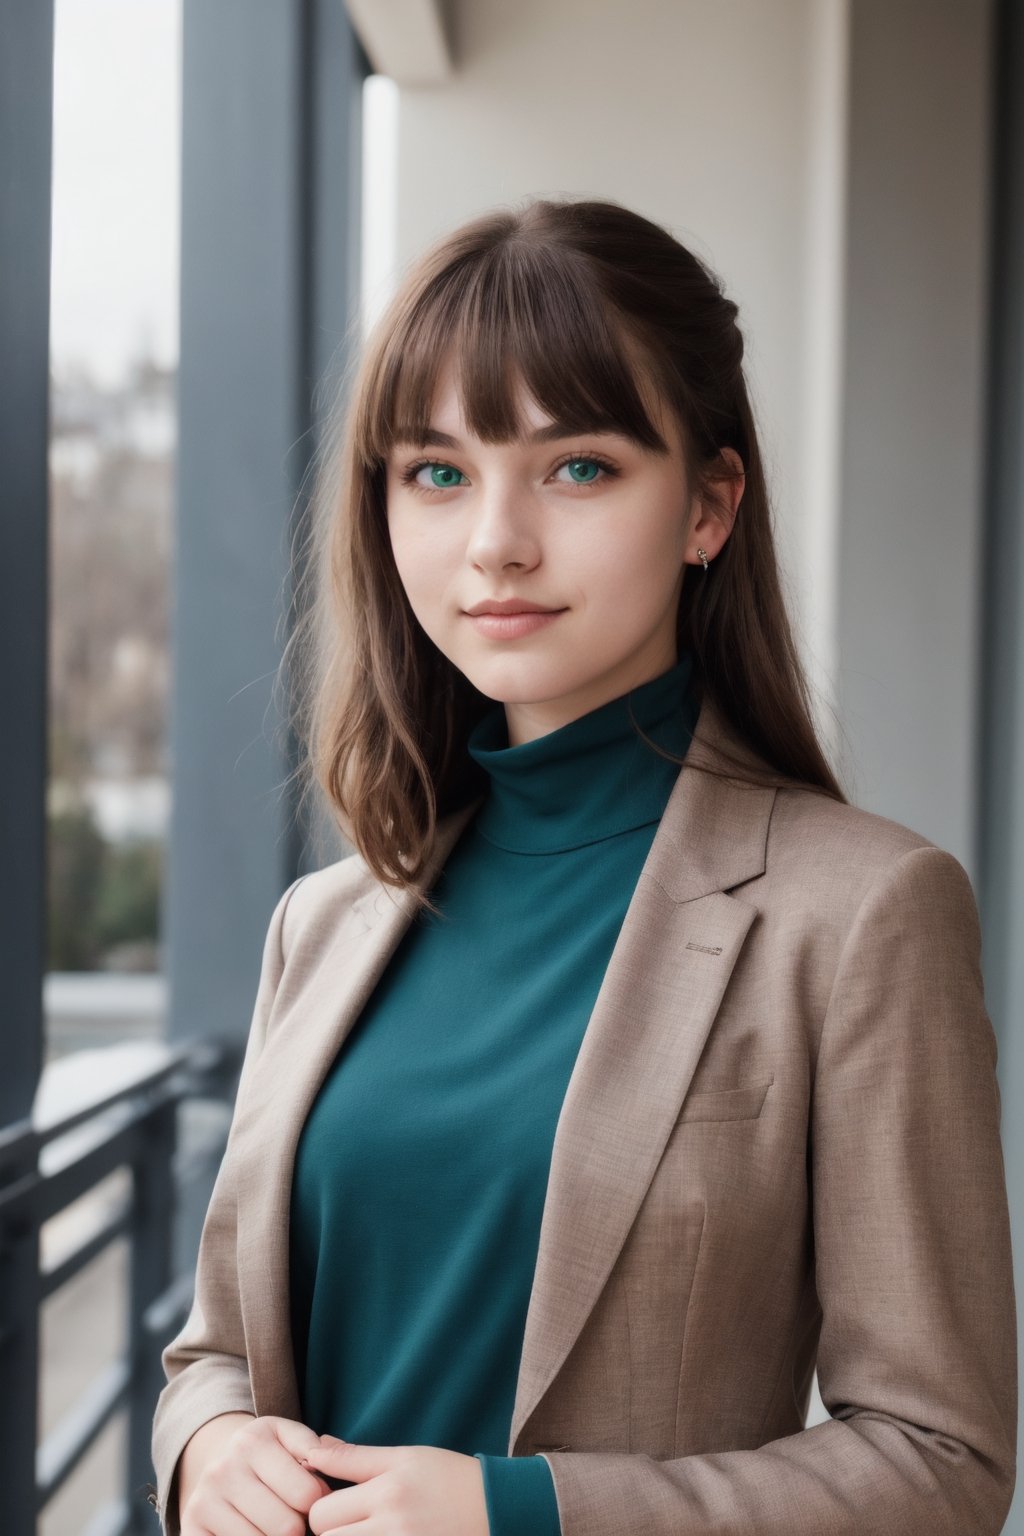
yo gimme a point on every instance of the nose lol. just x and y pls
(503, 530)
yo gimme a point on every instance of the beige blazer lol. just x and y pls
(780, 1146)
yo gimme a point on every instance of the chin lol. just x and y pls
(522, 679)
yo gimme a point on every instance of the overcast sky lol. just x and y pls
(116, 155)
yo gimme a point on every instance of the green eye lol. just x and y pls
(593, 468)
(443, 475)
(590, 465)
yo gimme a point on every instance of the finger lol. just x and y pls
(274, 1465)
(352, 1462)
(214, 1513)
(293, 1435)
(344, 1507)
(261, 1505)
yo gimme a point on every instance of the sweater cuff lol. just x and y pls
(520, 1493)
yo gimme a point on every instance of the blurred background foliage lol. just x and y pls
(103, 898)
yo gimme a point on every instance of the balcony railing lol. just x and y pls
(133, 1127)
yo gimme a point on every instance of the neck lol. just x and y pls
(525, 722)
(591, 778)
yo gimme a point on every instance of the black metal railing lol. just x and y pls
(135, 1128)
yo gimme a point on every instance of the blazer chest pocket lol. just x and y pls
(744, 1102)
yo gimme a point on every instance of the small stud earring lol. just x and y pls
(704, 557)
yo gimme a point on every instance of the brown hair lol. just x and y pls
(590, 304)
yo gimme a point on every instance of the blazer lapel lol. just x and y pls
(289, 1072)
(665, 979)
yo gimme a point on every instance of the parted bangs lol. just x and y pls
(514, 313)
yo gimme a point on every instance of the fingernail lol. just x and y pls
(332, 1440)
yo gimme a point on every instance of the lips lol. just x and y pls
(510, 605)
(509, 626)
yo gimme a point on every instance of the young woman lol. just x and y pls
(625, 1072)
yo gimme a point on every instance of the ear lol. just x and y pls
(714, 512)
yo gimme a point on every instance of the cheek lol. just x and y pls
(426, 564)
(635, 552)
(417, 557)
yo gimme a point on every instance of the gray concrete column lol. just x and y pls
(910, 534)
(270, 190)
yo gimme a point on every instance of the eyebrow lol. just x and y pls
(433, 438)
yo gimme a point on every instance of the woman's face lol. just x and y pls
(589, 525)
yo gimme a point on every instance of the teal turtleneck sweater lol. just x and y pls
(421, 1171)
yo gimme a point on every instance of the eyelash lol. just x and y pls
(409, 474)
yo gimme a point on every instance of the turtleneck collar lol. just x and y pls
(589, 779)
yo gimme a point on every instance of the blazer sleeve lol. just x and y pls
(205, 1364)
(917, 1352)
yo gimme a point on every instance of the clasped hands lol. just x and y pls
(267, 1474)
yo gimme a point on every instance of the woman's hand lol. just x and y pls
(252, 1479)
(416, 1489)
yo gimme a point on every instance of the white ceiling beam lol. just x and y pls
(404, 39)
